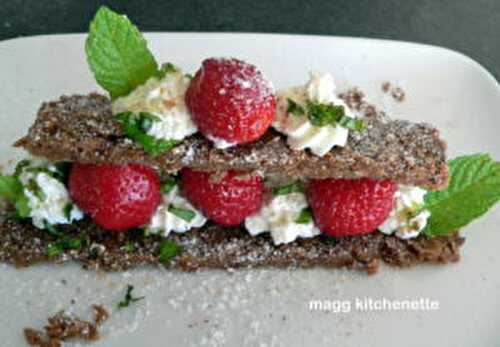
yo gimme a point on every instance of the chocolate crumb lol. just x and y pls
(62, 327)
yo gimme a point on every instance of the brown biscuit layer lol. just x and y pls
(21, 244)
(82, 128)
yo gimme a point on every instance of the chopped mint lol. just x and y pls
(128, 298)
(305, 216)
(54, 249)
(129, 248)
(320, 114)
(295, 187)
(182, 213)
(294, 108)
(33, 187)
(168, 250)
(21, 166)
(146, 120)
(51, 229)
(67, 210)
(64, 243)
(166, 69)
(12, 190)
(133, 128)
(189, 76)
(118, 54)
(473, 189)
(168, 185)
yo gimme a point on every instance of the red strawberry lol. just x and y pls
(227, 200)
(117, 197)
(343, 207)
(231, 100)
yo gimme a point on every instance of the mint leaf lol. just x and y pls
(133, 127)
(168, 250)
(474, 188)
(117, 53)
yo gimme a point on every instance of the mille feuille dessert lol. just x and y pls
(216, 170)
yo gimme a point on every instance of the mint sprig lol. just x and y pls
(474, 188)
(117, 53)
(135, 127)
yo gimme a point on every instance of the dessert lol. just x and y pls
(217, 170)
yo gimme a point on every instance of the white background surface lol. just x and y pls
(270, 307)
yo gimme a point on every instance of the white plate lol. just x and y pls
(270, 307)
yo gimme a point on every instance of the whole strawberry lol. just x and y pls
(348, 207)
(116, 197)
(230, 101)
(226, 198)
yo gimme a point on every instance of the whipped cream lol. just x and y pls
(279, 217)
(300, 132)
(402, 220)
(48, 198)
(163, 221)
(220, 143)
(163, 98)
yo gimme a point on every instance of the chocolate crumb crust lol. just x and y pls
(62, 327)
(212, 246)
(82, 128)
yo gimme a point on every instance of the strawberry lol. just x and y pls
(230, 100)
(343, 207)
(117, 197)
(226, 198)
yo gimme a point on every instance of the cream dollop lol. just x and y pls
(402, 221)
(279, 217)
(300, 132)
(163, 98)
(48, 198)
(163, 221)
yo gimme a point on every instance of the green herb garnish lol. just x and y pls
(133, 126)
(129, 248)
(473, 189)
(324, 114)
(182, 213)
(166, 69)
(189, 76)
(12, 190)
(21, 166)
(68, 208)
(33, 187)
(305, 216)
(295, 187)
(64, 243)
(168, 250)
(168, 185)
(128, 298)
(118, 54)
(294, 108)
